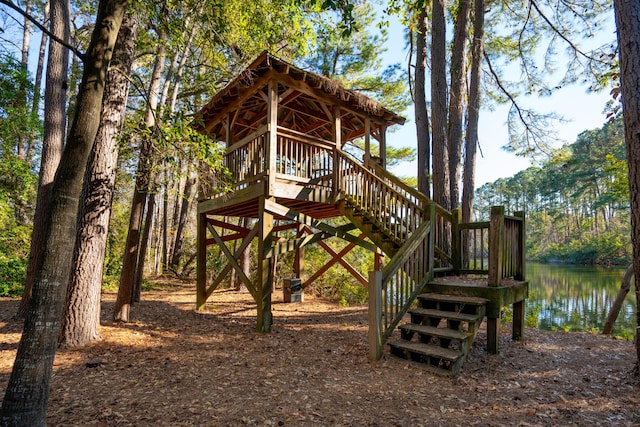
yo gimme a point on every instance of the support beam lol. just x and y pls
(493, 335)
(496, 243)
(272, 144)
(375, 315)
(245, 243)
(517, 332)
(201, 263)
(336, 257)
(277, 209)
(298, 261)
(233, 260)
(265, 270)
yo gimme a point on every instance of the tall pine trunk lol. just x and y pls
(182, 224)
(628, 25)
(420, 105)
(25, 400)
(55, 125)
(82, 312)
(471, 141)
(457, 98)
(439, 104)
(145, 161)
(38, 76)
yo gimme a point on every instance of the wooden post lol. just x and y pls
(272, 140)
(456, 242)
(522, 255)
(493, 335)
(298, 260)
(496, 243)
(377, 259)
(337, 138)
(265, 273)
(432, 236)
(517, 332)
(201, 262)
(367, 139)
(383, 146)
(375, 315)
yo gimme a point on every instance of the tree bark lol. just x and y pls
(38, 76)
(82, 312)
(420, 106)
(471, 141)
(26, 397)
(125, 289)
(627, 14)
(182, 223)
(439, 105)
(55, 125)
(457, 99)
(144, 244)
(625, 285)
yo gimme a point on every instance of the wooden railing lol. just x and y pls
(393, 290)
(495, 247)
(474, 248)
(305, 159)
(387, 206)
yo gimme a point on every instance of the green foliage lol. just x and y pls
(577, 202)
(19, 131)
(355, 59)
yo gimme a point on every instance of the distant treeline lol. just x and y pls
(576, 202)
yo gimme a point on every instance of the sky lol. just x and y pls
(581, 110)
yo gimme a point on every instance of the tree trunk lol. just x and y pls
(165, 220)
(245, 260)
(628, 26)
(144, 243)
(184, 210)
(471, 142)
(130, 257)
(421, 112)
(145, 161)
(625, 285)
(26, 34)
(55, 125)
(439, 105)
(457, 99)
(25, 401)
(82, 312)
(38, 76)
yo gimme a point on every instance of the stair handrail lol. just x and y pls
(387, 206)
(442, 218)
(393, 289)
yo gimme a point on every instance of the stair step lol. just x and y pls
(427, 350)
(436, 332)
(453, 298)
(452, 315)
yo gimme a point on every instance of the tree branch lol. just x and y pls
(562, 36)
(43, 28)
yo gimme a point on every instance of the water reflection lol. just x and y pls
(577, 298)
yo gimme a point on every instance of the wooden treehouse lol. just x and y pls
(284, 130)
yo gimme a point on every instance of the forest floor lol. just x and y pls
(172, 366)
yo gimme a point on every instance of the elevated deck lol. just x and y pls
(286, 169)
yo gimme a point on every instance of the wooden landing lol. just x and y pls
(509, 292)
(318, 203)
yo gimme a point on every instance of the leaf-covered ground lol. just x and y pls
(174, 367)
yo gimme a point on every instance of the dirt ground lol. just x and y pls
(172, 366)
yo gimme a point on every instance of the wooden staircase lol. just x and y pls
(441, 331)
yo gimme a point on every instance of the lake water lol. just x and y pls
(577, 298)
